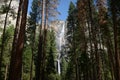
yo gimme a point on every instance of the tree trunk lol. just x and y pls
(45, 37)
(114, 18)
(111, 58)
(16, 59)
(39, 65)
(3, 36)
(17, 27)
(91, 35)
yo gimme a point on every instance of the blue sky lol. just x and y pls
(62, 8)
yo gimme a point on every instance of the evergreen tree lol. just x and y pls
(51, 73)
(33, 22)
(71, 25)
(3, 35)
(6, 56)
(64, 66)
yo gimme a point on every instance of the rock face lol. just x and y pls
(60, 28)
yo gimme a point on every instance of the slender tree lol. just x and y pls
(39, 66)
(33, 21)
(3, 35)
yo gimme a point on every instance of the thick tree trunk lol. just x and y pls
(18, 21)
(16, 59)
(114, 18)
(17, 27)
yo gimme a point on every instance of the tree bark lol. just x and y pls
(114, 18)
(3, 35)
(16, 59)
(17, 27)
(39, 65)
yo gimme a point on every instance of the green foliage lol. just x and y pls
(4, 9)
(70, 73)
(64, 66)
(80, 59)
(26, 62)
(53, 77)
(51, 73)
(71, 25)
(8, 42)
(71, 40)
(82, 30)
(7, 49)
(31, 41)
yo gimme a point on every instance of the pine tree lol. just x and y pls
(3, 35)
(71, 25)
(33, 21)
(50, 71)
(47, 8)
(6, 56)
(39, 60)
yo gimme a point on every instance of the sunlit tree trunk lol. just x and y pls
(45, 37)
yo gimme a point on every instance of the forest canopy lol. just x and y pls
(36, 45)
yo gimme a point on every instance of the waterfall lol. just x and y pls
(61, 39)
(59, 70)
(61, 36)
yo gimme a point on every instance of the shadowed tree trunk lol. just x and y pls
(3, 36)
(39, 65)
(17, 27)
(16, 58)
(114, 18)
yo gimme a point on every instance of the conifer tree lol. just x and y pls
(71, 25)
(51, 73)
(3, 35)
(33, 22)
